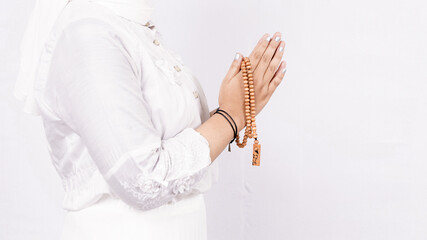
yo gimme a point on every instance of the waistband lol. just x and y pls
(112, 219)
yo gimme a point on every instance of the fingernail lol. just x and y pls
(280, 49)
(277, 38)
(284, 71)
(268, 39)
(237, 56)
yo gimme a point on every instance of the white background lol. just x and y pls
(343, 138)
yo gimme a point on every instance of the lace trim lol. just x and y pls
(148, 192)
(152, 194)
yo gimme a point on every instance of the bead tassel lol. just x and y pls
(250, 128)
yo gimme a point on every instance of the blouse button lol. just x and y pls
(196, 94)
(156, 42)
(177, 68)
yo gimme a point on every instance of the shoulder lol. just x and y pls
(84, 22)
(84, 39)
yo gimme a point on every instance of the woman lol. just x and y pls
(127, 123)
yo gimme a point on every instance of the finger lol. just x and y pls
(268, 54)
(277, 79)
(235, 66)
(275, 62)
(259, 50)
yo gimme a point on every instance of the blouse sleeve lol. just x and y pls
(99, 96)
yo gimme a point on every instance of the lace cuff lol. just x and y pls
(148, 186)
(150, 194)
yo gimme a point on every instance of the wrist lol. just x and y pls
(240, 121)
(238, 118)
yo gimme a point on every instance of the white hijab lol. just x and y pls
(40, 24)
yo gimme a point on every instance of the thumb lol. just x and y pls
(235, 67)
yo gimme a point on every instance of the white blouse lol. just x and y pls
(120, 111)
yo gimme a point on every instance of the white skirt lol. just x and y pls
(112, 219)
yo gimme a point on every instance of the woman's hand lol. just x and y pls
(268, 71)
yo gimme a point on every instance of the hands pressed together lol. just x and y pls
(268, 70)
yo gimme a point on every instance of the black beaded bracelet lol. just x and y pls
(220, 111)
